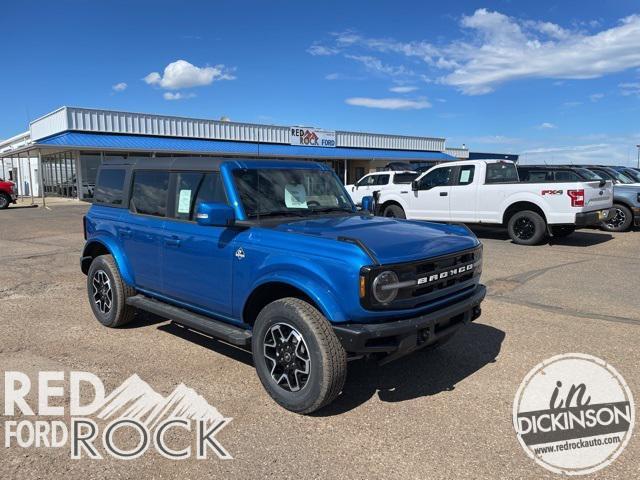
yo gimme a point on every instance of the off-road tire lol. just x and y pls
(328, 359)
(119, 313)
(621, 215)
(5, 200)
(532, 220)
(394, 211)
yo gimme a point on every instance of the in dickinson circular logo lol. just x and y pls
(573, 414)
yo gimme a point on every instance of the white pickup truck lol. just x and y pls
(378, 181)
(489, 192)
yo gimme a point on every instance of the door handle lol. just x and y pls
(125, 232)
(444, 194)
(173, 241)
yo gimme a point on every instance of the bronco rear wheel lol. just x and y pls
(297, 356)
(108, 293)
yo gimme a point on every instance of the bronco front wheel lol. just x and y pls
(297, 356)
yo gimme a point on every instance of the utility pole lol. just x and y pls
(638, 147)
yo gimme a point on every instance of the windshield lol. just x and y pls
(635, 176)
(621, 177)
(588, 174)
(273, 192)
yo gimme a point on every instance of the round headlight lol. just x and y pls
(382, 287)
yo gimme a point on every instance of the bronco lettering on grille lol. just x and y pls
(445, 274)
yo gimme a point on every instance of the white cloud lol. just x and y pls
(375, 65)
(182, 74)
(119, 87)
(497, 48)
(571, 104)
(403, 89)
(594, 97)
(321, 50)
(388, 103)
(494, 140)
(177, 95)
(632, 88)
(546, 126)
(600, 153)
(332, 76)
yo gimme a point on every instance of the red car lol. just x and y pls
(8, 193)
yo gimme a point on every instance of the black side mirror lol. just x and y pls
(414, 186)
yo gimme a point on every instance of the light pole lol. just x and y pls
(638, 146)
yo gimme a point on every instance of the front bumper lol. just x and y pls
(587, 219)
(397, 338)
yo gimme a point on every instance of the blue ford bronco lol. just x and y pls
(275, 256)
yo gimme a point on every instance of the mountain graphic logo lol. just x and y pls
(135, 399)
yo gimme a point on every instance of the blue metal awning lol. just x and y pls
(132, 143)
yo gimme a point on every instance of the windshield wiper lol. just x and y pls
(277, 213)
(330, 209)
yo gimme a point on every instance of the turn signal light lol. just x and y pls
(363, 287)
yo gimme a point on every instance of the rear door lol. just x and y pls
(197, 260)
(431, 200)
(141, 233)
(463, 201)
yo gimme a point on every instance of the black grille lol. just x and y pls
(439, 276)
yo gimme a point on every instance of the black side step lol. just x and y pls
(210, 326)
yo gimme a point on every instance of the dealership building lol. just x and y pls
(60, 153)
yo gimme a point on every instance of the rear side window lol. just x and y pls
(567, 176)
(534, 176)
(465, 177)
(110, 187)
(501, 173)
(400, 178)
(150, 191)
(382, 179)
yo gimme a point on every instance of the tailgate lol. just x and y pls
(597, 197)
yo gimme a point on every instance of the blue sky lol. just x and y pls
(548, 80)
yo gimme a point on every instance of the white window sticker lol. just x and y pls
(184, 201)
(295, 196)
(464, 176)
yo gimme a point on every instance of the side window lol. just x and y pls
(382, 179)
(150, 191)
(501, 172)
(537, 176)
(187, 184)
(567, 176)
(465, 177)
(110, 187)
(436, 178)
(211, 191)
(368, 181)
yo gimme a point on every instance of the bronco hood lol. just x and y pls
(390, 239)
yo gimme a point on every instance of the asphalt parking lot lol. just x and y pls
(440, 414)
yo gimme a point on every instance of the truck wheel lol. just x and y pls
(297, 356)
(4, 201)
(526, 228)
(564, 231)
(394, 211)
(108, 293)
(621, 219)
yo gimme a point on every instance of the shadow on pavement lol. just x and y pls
(231, 351)
(423, 373)
(580, 238)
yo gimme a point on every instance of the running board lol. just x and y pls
(210, 326)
